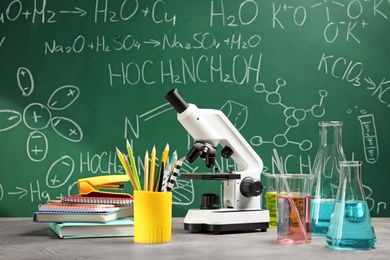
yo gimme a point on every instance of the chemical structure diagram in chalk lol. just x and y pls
(37, 116)
(293, 116)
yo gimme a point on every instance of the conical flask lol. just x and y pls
(326, 173)
(350, 225)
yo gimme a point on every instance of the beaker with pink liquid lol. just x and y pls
(294, 215)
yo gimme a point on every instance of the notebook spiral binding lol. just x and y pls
(97, 200)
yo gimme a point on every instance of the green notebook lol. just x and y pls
(117, 228)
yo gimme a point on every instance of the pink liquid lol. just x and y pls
(290, 229)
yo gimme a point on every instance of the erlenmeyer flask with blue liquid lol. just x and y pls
(326, 175)
(350, 224)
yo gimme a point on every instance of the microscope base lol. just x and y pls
(226, 220)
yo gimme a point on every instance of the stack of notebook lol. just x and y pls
(87, 216)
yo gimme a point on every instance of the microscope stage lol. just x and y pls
(211, 176)
(226, 220)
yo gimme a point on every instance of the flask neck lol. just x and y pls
(351, 186)
(331, 133)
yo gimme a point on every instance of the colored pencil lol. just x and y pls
(146, 171)
(152, 168)
(172, 161)
(165, 154)
(160, 177)
(130, 172)
(163, 162)
(121, 159)
(132, 164)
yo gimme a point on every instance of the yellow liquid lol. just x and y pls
(271, 204)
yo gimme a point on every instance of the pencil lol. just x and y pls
(163, 162)
(175, 173)
(146, 170)
(160, 177)
(129, 171)
(132, 164)
(152, 168)
(172, 161)
(165, 154)
(122, 160)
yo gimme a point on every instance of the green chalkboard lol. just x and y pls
(78, 78)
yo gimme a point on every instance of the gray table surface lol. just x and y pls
(20, 238)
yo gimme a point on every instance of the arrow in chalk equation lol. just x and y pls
(153, 42)
(21, 191)
(77, 11)
(2, 40)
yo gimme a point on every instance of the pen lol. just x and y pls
(165, 178)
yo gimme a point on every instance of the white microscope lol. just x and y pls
(241, 188)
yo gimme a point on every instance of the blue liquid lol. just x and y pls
(351, 226)
(321, 212)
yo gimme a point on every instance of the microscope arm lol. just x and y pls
(248, 162)
(214, 127)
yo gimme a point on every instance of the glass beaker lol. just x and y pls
(294, 222)
(351, 225)
(271, 200)
(326, 173)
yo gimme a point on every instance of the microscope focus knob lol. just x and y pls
(250, 187)
(209, 201)
(226, 152)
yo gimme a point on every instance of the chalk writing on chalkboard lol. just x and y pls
(81, 76)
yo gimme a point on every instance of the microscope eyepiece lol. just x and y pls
(176, 100)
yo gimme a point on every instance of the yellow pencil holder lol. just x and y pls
(152, 217)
